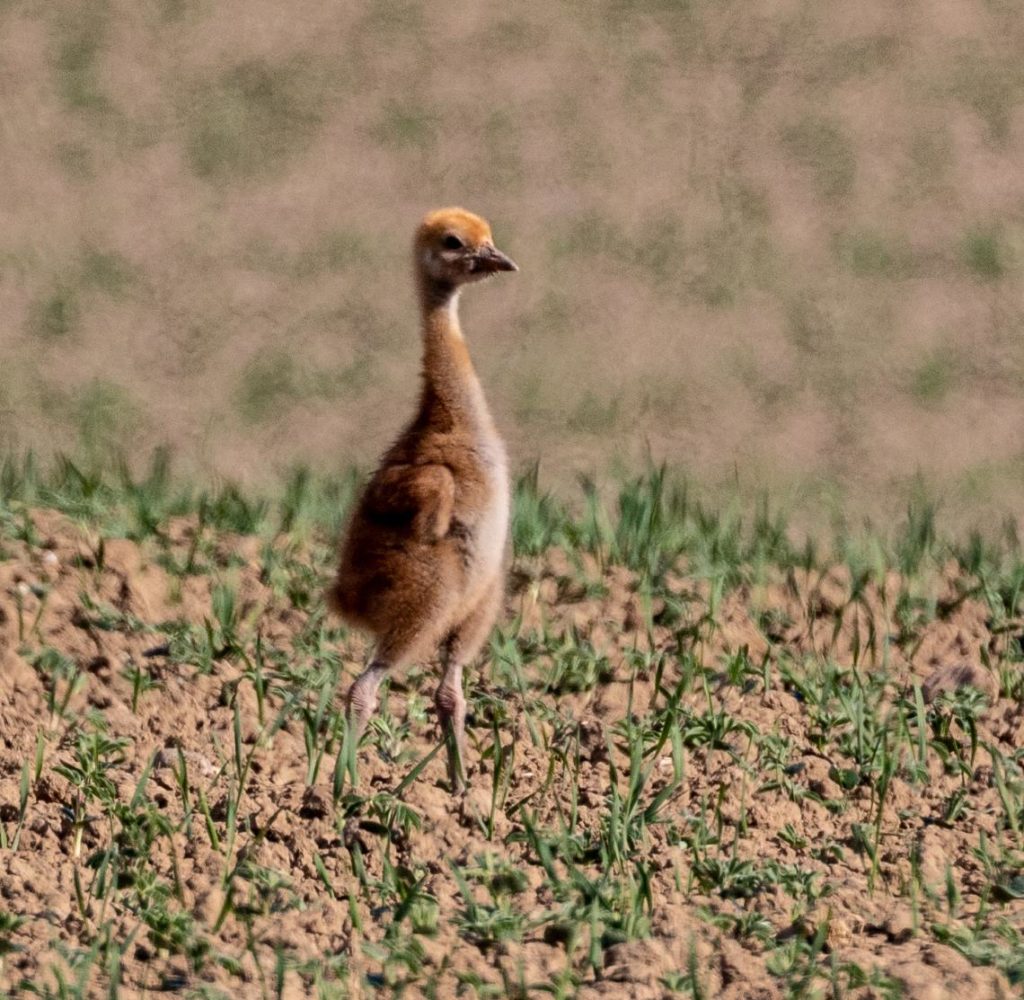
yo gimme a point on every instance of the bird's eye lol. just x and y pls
(452, 243)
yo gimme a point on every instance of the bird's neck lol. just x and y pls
(451, 390)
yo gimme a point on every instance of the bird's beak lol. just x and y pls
(491, 259)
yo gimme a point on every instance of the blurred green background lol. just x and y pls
(775, 244)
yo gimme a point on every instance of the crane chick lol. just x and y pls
(422, 563)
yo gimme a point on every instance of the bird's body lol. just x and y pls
(422, 564)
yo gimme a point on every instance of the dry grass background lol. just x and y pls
(774, 242)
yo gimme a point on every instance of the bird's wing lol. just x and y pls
(421, 494)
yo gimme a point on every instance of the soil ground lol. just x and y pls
(790, 783)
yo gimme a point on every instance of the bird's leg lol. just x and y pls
(462, 645)
(361, 700)
(451, 712)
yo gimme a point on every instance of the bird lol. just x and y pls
(422, 562)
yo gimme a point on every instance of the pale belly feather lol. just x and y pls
(491, 530)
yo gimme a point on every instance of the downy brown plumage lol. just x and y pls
(423, 561)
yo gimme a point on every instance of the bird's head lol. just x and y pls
(453, 247)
